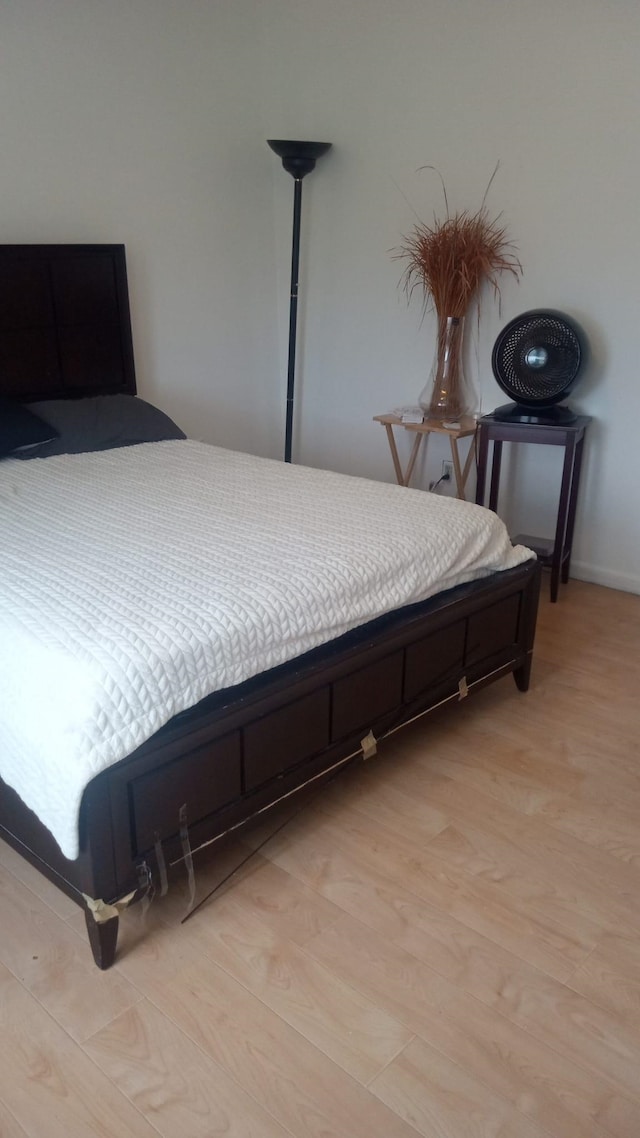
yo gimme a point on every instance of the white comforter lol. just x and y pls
(134, 582)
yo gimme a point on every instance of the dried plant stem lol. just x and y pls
(449, 261)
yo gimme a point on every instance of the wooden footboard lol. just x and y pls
(243, 749)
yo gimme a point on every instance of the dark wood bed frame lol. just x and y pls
(65, 332)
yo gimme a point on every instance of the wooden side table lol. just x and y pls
(467, 429)
(555, 553)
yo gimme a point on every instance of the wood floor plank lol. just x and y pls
(609, 827)
(584, 721)
(610, 976)
(13, 863)
(555, 860)
(564, 898)
(438, 1097)
(463, 803)
(531, 771)
(445, 759)
(526, 857)
(589, 807)
(304, 1090)
(563, 852)
(572, 894)
(586, 748)
(597, 646)
(589, 1036)
(356, 1033)
(48, 1084)
(213, 865)
(285, 904)
(546, 1084)
(399, 810)
(329, 855)
(564, 682)
(9, 1126)
(282, 902)
(179, 1089)
(589, 719)
(55, 965)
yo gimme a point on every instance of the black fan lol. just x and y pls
(536, 360)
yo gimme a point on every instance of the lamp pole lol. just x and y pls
(298, 159)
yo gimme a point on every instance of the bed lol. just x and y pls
(246, 739)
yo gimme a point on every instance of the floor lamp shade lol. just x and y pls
(298, 159)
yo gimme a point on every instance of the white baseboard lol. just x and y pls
(627, 582)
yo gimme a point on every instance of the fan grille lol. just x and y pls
(537, 358)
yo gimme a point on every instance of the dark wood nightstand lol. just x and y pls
(555, 552)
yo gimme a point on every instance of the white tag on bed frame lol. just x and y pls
(463, 688)
(369, 746)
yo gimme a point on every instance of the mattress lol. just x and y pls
(134, 582)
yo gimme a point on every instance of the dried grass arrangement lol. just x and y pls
(449, 261)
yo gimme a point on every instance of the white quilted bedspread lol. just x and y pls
(134, 582)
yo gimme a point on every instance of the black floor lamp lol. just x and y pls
(298, 159)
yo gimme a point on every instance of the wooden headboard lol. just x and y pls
(65, 327)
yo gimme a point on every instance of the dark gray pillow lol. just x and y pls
(101, 422)
(20, 429)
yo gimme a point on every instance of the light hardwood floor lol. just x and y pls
(446, 942)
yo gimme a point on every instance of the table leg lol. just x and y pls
(412, 457)
(467, 466)
(495, 476)
(563, 512)
(457, 469)
(575, 482)
(482, 445)
(394, 454)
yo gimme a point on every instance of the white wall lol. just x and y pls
(549, 88)
(139, 121)
(144, 121)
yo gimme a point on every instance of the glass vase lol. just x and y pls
(446, 396)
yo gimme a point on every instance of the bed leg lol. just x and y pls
(522, 674)
(103, 937)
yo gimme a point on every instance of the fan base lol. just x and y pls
(542, 417)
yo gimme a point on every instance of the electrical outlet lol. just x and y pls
(447, 470)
